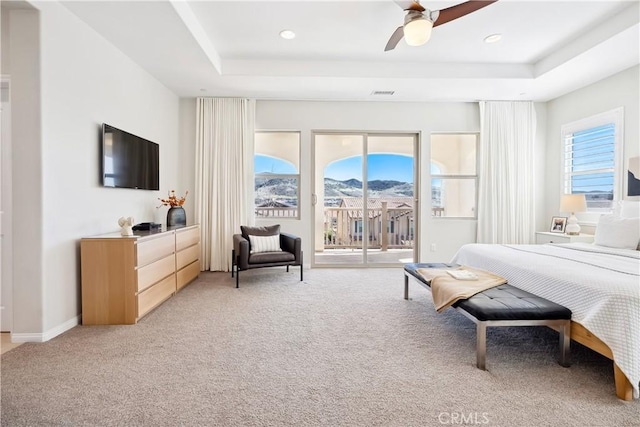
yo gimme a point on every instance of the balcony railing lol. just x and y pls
(343, 227)
(388, 228)
(279, 212)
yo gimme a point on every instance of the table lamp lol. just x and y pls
(573, 203)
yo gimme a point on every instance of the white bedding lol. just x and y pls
(601, 287)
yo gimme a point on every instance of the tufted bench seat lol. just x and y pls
(504, 305)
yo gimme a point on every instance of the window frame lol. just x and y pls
(279, 176)
(445, 176)
(616, 117)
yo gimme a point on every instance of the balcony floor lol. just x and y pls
(354, 256)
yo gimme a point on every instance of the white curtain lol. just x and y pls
(224, 175)
(506, 207)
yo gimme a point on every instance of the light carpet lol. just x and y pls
(342, 348)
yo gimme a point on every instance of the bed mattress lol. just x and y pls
(601, 287)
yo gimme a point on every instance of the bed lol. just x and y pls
(600, 285)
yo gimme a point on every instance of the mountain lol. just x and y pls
(334, 190)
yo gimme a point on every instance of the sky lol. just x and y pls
(381, 167)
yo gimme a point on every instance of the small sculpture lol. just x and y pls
(126, 224)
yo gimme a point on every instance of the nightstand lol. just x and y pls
(548, 237)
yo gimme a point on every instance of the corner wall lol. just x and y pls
(424, 118)
(23, 40)
(619, 90)
(448, 234)
(84, 82)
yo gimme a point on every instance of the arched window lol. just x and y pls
(454, 175)
(277, 174)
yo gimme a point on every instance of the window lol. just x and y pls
(453, 175)
(277, 174)
(592, 159)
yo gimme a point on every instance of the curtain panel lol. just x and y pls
(506, 208)
(224, 175)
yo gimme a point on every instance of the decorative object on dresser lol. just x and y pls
(573, 203)
(558, 224)
(126, 225)
(176, 214)
(145, 226)
(124, 278)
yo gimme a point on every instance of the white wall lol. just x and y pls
(424, 118)
(24, 41)
(187, 153)
(619, 90)
(84, 82)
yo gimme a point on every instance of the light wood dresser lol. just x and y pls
(124, 278)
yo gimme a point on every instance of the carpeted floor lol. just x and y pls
(342, 348)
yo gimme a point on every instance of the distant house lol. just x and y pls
(347, 222)
(270, 208)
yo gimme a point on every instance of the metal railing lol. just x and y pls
(278, 212)
(388, 228)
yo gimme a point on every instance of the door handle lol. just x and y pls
(314, 199)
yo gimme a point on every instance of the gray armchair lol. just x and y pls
(244, 258)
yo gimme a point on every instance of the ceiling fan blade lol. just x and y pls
(395, 38)
(410, 5)
(460, 10)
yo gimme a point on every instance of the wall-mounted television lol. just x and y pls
(129, 161)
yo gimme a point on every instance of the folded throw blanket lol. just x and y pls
(446, 290)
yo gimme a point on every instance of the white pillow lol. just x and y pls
(265, 243)
(616, 232)
(630, 209)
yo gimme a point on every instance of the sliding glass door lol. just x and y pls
(364, 199)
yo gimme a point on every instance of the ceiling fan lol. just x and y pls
(419, 20)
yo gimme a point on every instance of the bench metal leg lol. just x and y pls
(565, 343)
(406, 287)
(481, 345)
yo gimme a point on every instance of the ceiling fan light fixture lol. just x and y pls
(493, 38)
(287, 34)
(417, 31)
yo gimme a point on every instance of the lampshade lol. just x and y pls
(573, 203)
(417, 31)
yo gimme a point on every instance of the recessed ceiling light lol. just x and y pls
(493, 38)
(287, 34)
(203, 90)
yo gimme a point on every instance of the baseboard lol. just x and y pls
(47, 335)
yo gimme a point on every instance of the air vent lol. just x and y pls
(383, 92)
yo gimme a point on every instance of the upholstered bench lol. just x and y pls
(504, 305)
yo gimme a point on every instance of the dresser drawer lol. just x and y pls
(546, 238)
(150, 250)
(155, 295)
(154, 272)
(187, 256)
(186, 238)
(187, 274)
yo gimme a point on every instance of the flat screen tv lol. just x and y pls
(129, 161)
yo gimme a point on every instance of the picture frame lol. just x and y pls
(558, 224)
